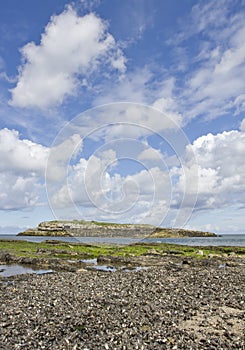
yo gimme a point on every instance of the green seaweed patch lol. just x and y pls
(65, 250)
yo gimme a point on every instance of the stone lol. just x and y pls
(200, 252)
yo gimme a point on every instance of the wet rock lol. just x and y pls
(5, 257)
(108, 260)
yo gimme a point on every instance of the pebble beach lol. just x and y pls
(176, 305)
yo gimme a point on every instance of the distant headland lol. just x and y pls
(82, 228)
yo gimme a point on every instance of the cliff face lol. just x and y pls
(89, 229)
(178, 232)
(101, 229)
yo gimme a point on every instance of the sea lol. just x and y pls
(234, 240)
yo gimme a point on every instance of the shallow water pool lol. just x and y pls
(16, 269)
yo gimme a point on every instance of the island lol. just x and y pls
(82, 228)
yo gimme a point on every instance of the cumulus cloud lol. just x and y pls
(60, 156)
(21, 156)
(87, 182)
(242, 126)
(71, 47)
(221, 170)
(23, 168)
(150, 154)
(94, 185)
(22, 171)
(18, 192)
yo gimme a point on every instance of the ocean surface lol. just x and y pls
(222, 240)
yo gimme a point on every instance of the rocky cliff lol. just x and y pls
(103, 229)
(179, 232)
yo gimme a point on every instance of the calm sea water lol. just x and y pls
(224, 240)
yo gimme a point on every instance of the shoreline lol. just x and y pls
(182, 297)
(67, 256)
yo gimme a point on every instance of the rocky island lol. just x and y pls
(82, 228)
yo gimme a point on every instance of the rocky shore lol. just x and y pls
(102, 229)
(177, 303)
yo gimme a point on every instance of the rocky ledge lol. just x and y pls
(103, 229)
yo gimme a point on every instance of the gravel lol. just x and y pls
(173, 306)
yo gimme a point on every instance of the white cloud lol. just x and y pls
(140, 86)
(60, 156)
(223, 152)
(92, 186)
(123, 121)
(89, 4)
(220, 161)
(150, 154)
(21, 156)
(87, 182)
(229, 220)
(212, 79)
(22, 171)
(70, 46)
(166, 102)
(23, 165)
(124, 128)
(242, 126)
(213, 83)
(17, 192)
(221, 79)
(131, 88)
(208, 15)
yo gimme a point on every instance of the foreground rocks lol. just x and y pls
(181, 304)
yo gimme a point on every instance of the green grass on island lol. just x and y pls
(65, 250)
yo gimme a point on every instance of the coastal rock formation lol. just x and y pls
(103, 229)
(161, 232)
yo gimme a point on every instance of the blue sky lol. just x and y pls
(126, 111)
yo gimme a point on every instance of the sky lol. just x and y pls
(123, 111)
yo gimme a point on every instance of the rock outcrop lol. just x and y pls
(103, 229)
(161, 232)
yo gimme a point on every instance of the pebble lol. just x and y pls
(163, 307)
